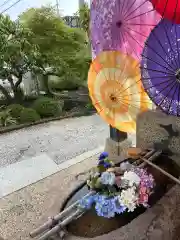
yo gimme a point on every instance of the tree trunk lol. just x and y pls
(46, 85)
(18, 92)
(18, 95)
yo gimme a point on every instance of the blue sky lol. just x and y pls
(68, 7)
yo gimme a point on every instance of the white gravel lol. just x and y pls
(61, 140)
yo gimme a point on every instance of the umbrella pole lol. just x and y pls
(117, 136)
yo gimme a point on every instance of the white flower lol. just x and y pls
(128, 198)
(132, 178)
(125, 166)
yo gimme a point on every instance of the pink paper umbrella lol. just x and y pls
(122, 25)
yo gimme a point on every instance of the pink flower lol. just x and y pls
(143, 198)
(143, 190)
(143, 195)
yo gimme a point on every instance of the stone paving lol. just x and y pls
(24, 210)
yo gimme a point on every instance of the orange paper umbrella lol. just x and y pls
(115, 87)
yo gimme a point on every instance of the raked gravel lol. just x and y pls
(61, 140)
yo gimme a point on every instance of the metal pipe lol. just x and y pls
(56, 218)
(58, 227)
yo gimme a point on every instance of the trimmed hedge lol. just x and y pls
(90, 106)
(15, 110)
(48, 107)
(42, 121)
(29, 115)
(62, 84)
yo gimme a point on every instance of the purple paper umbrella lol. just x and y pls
(160, 67)
(121, 25)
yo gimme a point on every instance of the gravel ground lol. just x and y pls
(61, 140)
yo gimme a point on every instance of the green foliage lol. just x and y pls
(61, 47)
(6, 118)
(15, 110)
(89, 106)
(48, 107)
(55, 39)
(82, 63)
(18, 54)
(29, 115)
(84, 17)
(63, 84)
(76, 75)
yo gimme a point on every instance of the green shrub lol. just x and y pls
(90, 106)
(15, 110)
(28, 115)
(6, 118)
(48, 107)
(63, 84)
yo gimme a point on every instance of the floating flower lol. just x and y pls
(121, 183)
(103, 156)
(125, 166)
(105, 207)
(117, 189)
(86, 202)
(147, 180)
(119, 208)
(143, 196)
(118, 181)
(124, 184)
(143, 199)
(108, 178)
(98, 197)
(129, 198)
(105, 164)
(104, 161)
(132, 178)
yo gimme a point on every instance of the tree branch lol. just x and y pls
(19, 81)
(10, 79)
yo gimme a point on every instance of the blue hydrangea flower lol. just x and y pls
(86, 202)
(108, 178)
(103, 156)
(104, 164)
(107, 165)
(105, 207)
(97, 197)
(119, 208)
(102, 160)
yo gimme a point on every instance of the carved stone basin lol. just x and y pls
(90, 225)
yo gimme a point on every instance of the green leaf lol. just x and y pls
(60, 46)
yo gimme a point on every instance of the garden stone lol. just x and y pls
(117, 150)
(157, 130)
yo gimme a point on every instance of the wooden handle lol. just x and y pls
(161, 170)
